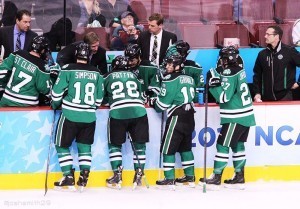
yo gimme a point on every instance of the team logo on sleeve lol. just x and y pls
(167, 77)
(242, 75)
(227, 72)
(65, 66)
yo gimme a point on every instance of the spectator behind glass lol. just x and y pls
(275, 69)
(90, 14)
(113, 9)
(9, 34)
(56, 34)
(9, 14)
(296, 33)
(126, 33)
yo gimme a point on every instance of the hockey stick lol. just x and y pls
(205, 134)
(2, 50)
(137, 157)
(49, 150)
(161, 139)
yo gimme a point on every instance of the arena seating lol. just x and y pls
(287, 10)
(199, 35)
(179, 10)
(216, 12)
(255, 13)
(233, 31)
(205, 23)
(140, 10)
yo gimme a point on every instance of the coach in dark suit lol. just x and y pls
(98, 54)
(163, 39)
(9, 34)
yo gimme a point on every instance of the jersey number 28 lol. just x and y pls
(118, 89)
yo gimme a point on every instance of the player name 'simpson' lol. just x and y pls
(85, 75)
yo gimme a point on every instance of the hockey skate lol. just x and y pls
(237, 181)
(66, 183)
(185, 181)
(116, 180)
(166, 183)
(83, 179)
(213, 182)
(137, 180)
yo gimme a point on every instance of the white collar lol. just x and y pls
(159, 35)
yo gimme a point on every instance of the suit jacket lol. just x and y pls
(67, 55)
(144, 43)
(7, 39)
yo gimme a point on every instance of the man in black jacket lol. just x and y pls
(98, 54)
(275, 69)
(155, 33)
(10, 34)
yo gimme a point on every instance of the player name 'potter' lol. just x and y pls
(85, 75)
(186, 80)
(122, 75)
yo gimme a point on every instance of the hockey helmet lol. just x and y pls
(119, 63)
(183, 48)
(133, 51)
(176, 60)
(82, 51)
(40, 45)
(229, 55)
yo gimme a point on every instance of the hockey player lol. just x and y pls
(176, 96)
(144, 69)
(24, 75)
(231, 91)
(219, 67)
(191, 68)
(127, 115)
(79, 91)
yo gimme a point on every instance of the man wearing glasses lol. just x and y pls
(275, 69)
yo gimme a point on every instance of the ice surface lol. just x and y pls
(258, 195)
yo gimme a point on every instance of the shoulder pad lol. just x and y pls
(232, 71)
(65, 66)
(146, 63)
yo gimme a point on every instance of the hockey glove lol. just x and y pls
(152, 102)
(149, 93)
(54, 71)
(215, 79)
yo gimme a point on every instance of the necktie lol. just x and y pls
(154, 50)
(18, 42)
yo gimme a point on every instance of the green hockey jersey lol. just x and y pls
(123, 90)
(146, 73)
(79, 89)
(234, 97)
(24, 77)
(194, 70)
(176, 90)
